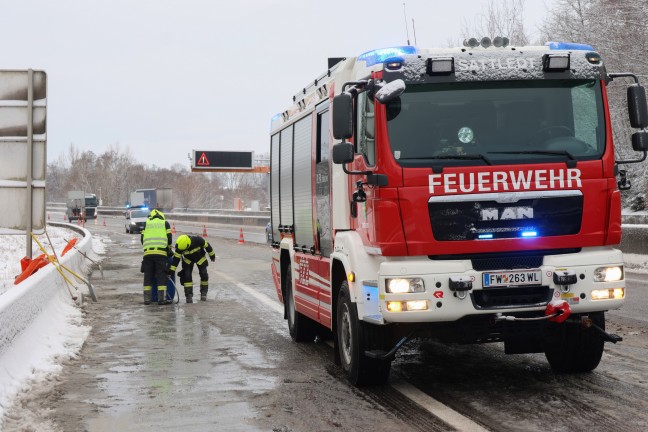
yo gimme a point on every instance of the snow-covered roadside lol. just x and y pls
(40, 324)
(636, 262)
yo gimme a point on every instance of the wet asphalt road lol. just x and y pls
(229, 364)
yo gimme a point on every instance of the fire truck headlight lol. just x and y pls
(608, 274)
(414, 305)
(608, 294)
(395, 306)
(402, 286)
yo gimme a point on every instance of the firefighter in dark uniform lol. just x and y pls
(191, 250)
(156, 241)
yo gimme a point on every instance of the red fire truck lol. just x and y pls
(467, 194)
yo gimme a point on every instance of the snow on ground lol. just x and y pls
(42, 324)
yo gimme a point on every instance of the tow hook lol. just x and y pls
(391, 354)
(586, 322)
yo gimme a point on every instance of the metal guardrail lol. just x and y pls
(231, 217)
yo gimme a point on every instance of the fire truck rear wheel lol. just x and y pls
(300, 327)
(573, 349)
(354, 337)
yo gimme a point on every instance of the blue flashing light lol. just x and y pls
(485, 236)
(529, 234)
(382, 54)
(566, 46)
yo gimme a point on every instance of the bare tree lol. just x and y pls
(500, 18)
(114, 174)
(618, 30)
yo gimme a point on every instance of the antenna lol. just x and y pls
(406, 29)
(414, 30)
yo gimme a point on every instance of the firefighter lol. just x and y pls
(192, 251)
(156, 241)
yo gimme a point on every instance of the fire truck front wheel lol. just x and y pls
(300, 327)
(574, 349)
(353, 339)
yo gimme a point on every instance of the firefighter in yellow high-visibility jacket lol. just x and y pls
(191, 250)
(156, 241)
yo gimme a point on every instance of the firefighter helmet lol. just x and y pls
(183, 242)
(156, 213)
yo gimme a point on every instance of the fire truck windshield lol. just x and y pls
(543, 120)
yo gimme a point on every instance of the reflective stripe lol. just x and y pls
(154, 252)
(201, 261)
(148, 288)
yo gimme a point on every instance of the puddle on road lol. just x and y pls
(179, 360)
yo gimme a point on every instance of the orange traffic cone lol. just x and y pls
(241, 240)
(64, 217)
(104, 222)
(204, 231)
(48, 216)
(173, 231)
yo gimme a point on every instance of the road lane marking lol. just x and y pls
(274, 305)
(428, 403)
(436, 408)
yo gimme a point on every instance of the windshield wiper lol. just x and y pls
(467, 157)
(538, 152)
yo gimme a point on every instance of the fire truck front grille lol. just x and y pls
(507, 262)
(501, 298)
(542, 216)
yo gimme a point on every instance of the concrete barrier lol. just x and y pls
(26, 301)
(634, 239)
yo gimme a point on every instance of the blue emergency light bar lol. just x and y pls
(380, 55)
(568, 46)
(528, 234)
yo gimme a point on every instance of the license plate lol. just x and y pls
(511, 278)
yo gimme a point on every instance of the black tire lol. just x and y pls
(300, 327)
(353, 338)
(573, 349)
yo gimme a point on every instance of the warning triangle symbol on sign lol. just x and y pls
(203, 161)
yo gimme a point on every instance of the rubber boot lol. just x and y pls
(189, 294)
(203, 293)
(148, 296)
(162, 297)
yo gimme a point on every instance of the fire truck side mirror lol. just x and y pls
(343, 116)
(343, 153)
(390, 91)
(637, 108)
(640, 141)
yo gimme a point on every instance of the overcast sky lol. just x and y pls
(163, 77)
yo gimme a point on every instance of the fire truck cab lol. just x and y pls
(466, 194)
